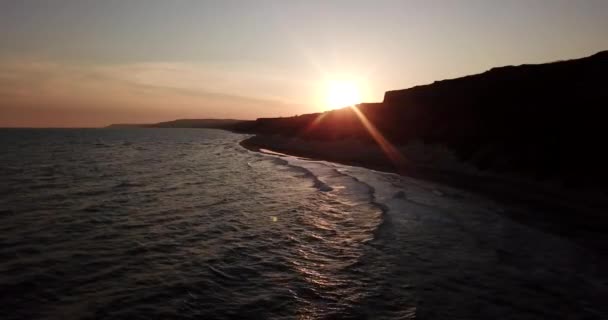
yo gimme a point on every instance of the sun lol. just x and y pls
(342, 94)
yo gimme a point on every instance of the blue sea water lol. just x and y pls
(185, 223)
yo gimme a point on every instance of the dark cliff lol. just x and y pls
(544, 120)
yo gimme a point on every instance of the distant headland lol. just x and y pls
(227, 124)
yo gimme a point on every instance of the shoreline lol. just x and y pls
(565, 213)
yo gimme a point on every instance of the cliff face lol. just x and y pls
(525, 101)
(547, 119)
(544, 120)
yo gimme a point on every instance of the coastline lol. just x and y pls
(574, 214)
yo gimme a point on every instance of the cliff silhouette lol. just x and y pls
(227, 124)
(545, 120)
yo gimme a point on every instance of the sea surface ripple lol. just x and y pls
(185, 223)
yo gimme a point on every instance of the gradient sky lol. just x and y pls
(91, 63)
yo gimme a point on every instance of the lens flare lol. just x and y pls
(391, 151)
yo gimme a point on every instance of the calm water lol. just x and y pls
(153, 223)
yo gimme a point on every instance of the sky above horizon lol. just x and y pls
(82, 63)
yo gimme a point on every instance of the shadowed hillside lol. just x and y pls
(227, 124)
(542, 120)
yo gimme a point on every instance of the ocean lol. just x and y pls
(186, 223)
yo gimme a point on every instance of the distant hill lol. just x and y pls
(544, 120)
(186, 123)
(126, 125)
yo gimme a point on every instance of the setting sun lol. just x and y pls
(342, 94)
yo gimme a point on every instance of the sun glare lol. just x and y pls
(342, 94)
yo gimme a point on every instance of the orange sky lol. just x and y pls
(92, 63)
